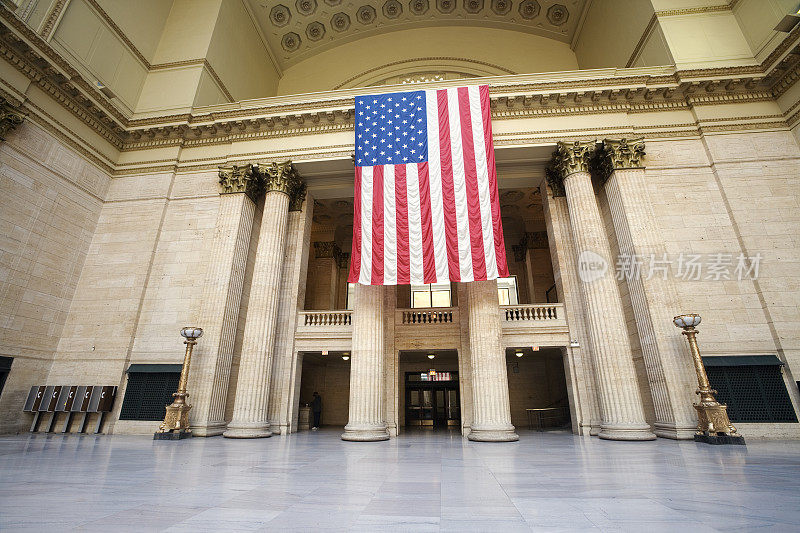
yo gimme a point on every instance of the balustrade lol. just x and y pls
(515, 313)
(327, 318)
(427, 316)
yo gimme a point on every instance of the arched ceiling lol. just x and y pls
(296, 29)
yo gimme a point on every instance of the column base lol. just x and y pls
(720, 439)
(247, 431)
(493, 434)
(627, 432)
(209, 430)
(365, 433)
(671, 431)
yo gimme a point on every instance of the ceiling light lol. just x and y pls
(431, 356)
(346, 357)
(518, 354)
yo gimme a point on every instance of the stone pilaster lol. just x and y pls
(653, 297)
(366, 415)
(581, 375)
(222, 294)
(620, 402)
(250, 409)
(491, 413)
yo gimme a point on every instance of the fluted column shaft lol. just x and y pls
(250, 410)
(491, 418)
(565, 270)
(366, 414)
(654, 301)
(219, 314)
(620, 402)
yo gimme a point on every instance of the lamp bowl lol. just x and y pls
(689, 320)
(192, 333)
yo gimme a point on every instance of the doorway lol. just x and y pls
(327, 373)
(432, 400)
(537, 388)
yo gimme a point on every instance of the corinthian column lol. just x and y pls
(366, 421)
(250, 410)
(653, 295)
(222, 293)
(491, 412)
(620, 402)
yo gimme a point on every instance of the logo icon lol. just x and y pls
(591, 266)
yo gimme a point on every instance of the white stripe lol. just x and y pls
(460, 186)
(389, 229)
(365, 276)
(437, 200)
(481, 165)
(414, 225)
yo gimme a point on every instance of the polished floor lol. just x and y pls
(419, 482)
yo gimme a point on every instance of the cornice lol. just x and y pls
(693, 10)
(52, 16)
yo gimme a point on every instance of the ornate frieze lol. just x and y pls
(240, 179)
(10, 117)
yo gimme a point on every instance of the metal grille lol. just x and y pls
(148, 394)
(752, 393)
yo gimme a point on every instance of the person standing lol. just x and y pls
(316, 409)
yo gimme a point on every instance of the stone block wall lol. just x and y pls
(50, 201)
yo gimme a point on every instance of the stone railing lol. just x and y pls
(441, 315)
(532, 312)
(326, 318)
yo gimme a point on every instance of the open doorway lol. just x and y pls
(328, 375)
(429, 390)
(537, 388)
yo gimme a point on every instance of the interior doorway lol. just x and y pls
(329, 375)
(537, 388)
(429, 390)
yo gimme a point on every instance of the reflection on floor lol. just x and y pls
(426, 481)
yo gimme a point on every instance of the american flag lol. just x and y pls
(426, 201)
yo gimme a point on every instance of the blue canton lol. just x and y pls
(391, 129)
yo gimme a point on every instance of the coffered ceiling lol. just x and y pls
(297, 29)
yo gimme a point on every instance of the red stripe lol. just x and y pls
(428, 256)
(448, 190)
(355, 257)
(497, 224)
(473, 198)
(401, 203)
(377, 225)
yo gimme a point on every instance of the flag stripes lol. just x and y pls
(438, 219)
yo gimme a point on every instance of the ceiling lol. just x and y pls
(297, 29)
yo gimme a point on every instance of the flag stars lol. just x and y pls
(385, 122)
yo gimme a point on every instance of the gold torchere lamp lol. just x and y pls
(176, 421)
(714, 426)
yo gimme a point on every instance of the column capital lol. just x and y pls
(240, 179)
(10, 117)
(568, 158)
(533, 240)
(617, 154)
(278, 176)
(297, 194)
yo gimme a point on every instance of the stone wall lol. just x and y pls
(50, 201)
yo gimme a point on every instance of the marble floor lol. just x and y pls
(419, 482)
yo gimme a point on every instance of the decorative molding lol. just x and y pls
(419, 59)
(642, 40)
(235, 179)
(693, 10)
(52, 18)
(10, 118)
(329, 249)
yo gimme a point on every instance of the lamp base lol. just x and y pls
(720, 439)
(172, 435)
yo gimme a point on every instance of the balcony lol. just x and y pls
(332, 330)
